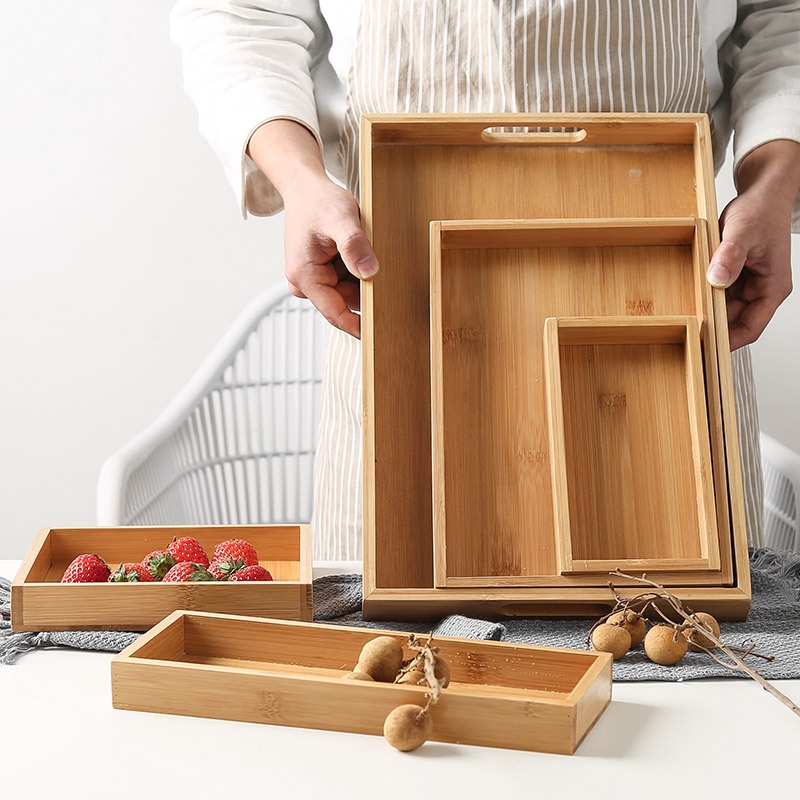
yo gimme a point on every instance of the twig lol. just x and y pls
(424, 661)
(738, 663)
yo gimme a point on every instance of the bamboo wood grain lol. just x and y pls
(481, 129)
(630, 445)
(489, 400)
(442, 167)
(726, 603)
(278, 672)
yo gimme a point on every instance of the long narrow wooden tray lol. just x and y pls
(453, 167)
(515, 696)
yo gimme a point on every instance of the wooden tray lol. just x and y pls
(493, 455)
(629, 445)
(416, 170)
(289, 673)
(40, 602)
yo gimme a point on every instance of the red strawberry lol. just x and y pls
(86, 568)
(221, 570)
(252, 573)
(128, 572)
(231, 549)
(187, 548)
(187, 571)
(158, 563)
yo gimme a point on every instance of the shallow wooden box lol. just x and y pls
(40, 602)
(289, 673)
(500, 488)
(629, 445)
(652, 174)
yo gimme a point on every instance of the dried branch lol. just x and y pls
(737, 663)
(425, 662)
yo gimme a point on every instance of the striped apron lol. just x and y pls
(493, 56)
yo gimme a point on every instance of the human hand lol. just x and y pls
(753, 264)
(327, 252)
(753, 260)
(325, 249)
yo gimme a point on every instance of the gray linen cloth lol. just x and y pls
(773, 626)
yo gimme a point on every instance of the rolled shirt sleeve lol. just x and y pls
(245, 64)
(760, 66)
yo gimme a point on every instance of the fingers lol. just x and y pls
(752, 301)
(747, 321)
(752, 264)
(328, 253)
(334, 305)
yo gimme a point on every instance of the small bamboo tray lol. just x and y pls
(40, 602)
(630, 448)
(289, 673)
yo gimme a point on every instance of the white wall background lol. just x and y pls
(123, 257)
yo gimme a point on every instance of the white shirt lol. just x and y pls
(247, 63)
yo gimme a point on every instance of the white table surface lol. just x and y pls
(60, 736)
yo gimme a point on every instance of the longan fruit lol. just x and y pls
(382, 658)
(697, 641)
(356, 675)
(441, 669)
(415, 677)
(665, 645)
(632, 622)
(407, 727)
(614, 639)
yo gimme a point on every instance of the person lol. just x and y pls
(276, 112)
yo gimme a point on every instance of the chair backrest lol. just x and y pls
(781, 468)
(237, 445)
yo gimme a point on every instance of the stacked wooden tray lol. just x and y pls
(547, 380)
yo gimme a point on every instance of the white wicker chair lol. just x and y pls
(236, 445)
(781, 467)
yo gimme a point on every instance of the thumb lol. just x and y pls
(357, 253)
(726, 264)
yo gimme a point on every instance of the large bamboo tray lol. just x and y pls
(289, 673)
(417, 170)
(40, 602)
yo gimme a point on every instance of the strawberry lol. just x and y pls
(187, 571)
(128, 572)
(221, 570)
(158, 563)
(231, 549)
(187, 548)
(86, 568)
(255, 572)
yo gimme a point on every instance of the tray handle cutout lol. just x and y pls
(533, 134)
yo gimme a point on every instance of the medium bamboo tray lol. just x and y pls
(494, 515)
(289, 673)
(40, 602)
(608, 172)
